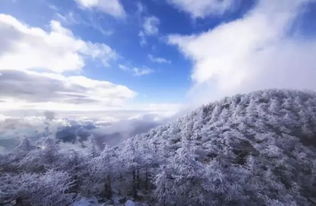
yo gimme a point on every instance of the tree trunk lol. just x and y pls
(134, 185)
(108, 188)
(137, 179)
(146, 179)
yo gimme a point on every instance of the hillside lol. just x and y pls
(255, 148)
(251, 149)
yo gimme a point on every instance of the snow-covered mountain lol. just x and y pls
(252, 149)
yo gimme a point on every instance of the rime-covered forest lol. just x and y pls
(252, 149)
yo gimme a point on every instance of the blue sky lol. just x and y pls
(168, 82)
(161, 53)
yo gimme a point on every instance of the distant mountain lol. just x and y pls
(252, 149)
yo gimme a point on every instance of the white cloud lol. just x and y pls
(159, 60)
(111, 7)
(124, 68)
(203, 8)
(150, 25)
(149, 28)
(142, 38)
(136, 71)
(251, 53)
(33, 90)
(71, 18)
(24, 47)
(99, 51)
(141, 71)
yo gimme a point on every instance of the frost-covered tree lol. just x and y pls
(45, 156)
(101, 171)
(9, 162)
(165, 186)
(48, 189)
(131, 157)
(183, 180)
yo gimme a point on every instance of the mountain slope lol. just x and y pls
(258, 148)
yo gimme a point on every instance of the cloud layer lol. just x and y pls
(73, 133)
(34, 87)
(254, 52)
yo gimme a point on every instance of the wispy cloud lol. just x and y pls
(203, 8)
(72, 18)
(141, 71)
(136, 71)
(159, 60)
(142, 38)
(149, 27)
(111, 7)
